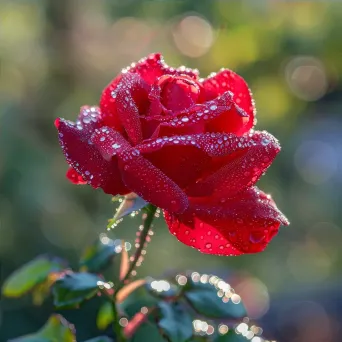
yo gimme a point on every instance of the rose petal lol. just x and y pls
(220, 163)
(242, 224)
(153, 66)
(109, 142)
(184, 167)
(240, 170)
(125, 101)
(191, 154)
(173, 94)
(74, 177)
(227, 80)
(109, 114)
(202, 115)
(87, 160)
(150, 183)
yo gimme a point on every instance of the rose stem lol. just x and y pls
(150, 213)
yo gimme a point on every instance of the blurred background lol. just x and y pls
(58, 55)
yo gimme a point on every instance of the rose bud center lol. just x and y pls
(178, 93)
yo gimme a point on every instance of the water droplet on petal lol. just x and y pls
(265, 142)
(208, 245)
(256, 237)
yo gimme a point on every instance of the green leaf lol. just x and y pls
(56, 329)
(231, 336)
(136, 300)
(100, 254)
(204, 299)
(147, 333)
(29, 275)
(175, 322)
(100, 339)
(132, 202)
(104, 316)
(74, 288)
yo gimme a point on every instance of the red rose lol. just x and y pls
(185, 145)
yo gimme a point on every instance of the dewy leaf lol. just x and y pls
(175, 322)
(104, 316)
(74, 288)
(132, 202)
(99, 255)
(100, 339)
(56, 329)
(29, 275)
(203, 297)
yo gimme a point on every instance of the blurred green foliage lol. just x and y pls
(58, 55)
(172, 308)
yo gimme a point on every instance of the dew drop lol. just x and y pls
(256, 237)
(208, 245)
(265, 142)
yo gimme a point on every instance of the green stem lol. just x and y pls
(117, 330)
(150, 212)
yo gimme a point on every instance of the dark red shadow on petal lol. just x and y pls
(183, 164)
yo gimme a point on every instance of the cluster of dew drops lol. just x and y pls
(226, 293)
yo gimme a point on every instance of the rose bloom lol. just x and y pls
(184, 144)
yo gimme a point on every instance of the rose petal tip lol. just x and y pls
(57, 122)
